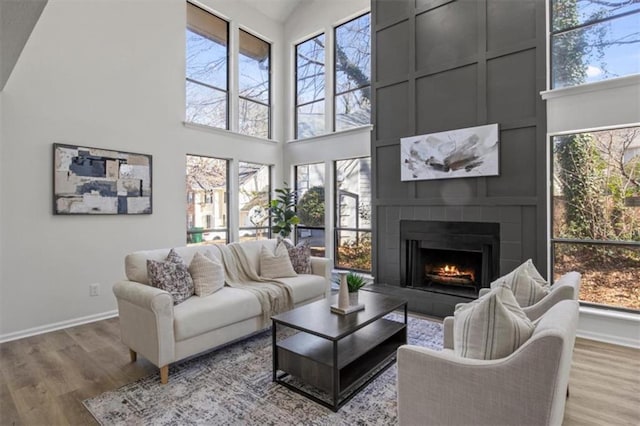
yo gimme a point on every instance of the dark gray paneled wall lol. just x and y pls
(441, 65)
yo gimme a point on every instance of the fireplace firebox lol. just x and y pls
(455, 258)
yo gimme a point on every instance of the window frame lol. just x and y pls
(553, 240)
(270, 85)
(335, 71)
(226, 200)
(228, 67)
(553, 33)
(336, 220)
(296, 105)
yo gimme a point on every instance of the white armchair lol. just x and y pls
(526, 388)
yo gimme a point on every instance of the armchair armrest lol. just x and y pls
(146, 320)
(322, 266)
(447, 333)
(437, 387)
(562, 292)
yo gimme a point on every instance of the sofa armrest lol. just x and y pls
(146, 320)
(322, 266)
(483, 291)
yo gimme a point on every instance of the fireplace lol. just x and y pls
(453, 258)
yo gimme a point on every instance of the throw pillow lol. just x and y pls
(277, 264)
(207, 274)
(491, 327)
(171, 275)
(300, 255)
(527, 284)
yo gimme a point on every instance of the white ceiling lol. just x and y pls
(278, 10)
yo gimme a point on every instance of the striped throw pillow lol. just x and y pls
(207, 273)
(277, 264)
(491, 327)
(526, 283)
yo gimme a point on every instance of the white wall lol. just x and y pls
(603, 104)
(107, 74)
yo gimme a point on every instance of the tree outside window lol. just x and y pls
(310, 81)
(310, 206)
(207, 68)
(255, 86)
(353, 73)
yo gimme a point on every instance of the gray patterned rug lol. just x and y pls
(232, 386)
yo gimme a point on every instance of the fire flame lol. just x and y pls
(450, 270)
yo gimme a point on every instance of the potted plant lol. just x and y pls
(282, 212)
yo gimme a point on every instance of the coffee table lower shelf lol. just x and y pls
(339, 368)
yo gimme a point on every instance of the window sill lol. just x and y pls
(225, 132)
(361, 129)
(614, 83)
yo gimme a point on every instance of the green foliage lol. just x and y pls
(282, 212)
(355, 254)
(311, 207)
(354, 281)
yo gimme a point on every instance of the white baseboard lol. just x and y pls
(609, 326)
(57, 326)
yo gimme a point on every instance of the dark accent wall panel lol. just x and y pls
(447, 64)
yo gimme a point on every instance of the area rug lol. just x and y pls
(232, 386)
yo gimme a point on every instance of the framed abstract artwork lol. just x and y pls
(100, 181)
(469, 152)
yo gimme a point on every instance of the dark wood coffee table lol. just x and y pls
(337, 354)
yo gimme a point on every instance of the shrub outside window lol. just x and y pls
(593, 40)
(207, 96)
(352, 67)
(596, 214)
(207, 211)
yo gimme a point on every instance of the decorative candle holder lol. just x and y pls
(344, 305)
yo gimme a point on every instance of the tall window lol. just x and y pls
(207, 93)
(596, 214)
(310, 80)
(353, 214)
(207, 211)
(254, 66)
(593, 40)
(310, 206)
(353, 73)
(254, 196)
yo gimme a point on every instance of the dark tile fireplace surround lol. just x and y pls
(442, 263)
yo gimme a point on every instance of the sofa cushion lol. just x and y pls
(305, 287)
(300, 256)
(171, 275)
(527, 284)
(198, 315)
(275, 264)
(207, 273)
(491, 327)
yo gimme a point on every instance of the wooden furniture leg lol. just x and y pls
(164, 374)
(133, 355)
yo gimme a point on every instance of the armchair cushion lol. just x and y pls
(527, 284)
(171, 275)
(491, 327)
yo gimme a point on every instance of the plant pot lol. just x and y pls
(353, 298)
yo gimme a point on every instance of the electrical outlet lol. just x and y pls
(94, 289)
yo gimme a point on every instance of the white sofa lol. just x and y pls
(150, 324)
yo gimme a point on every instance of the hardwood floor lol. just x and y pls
(45, 378)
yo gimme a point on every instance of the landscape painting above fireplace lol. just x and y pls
(469, 152)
